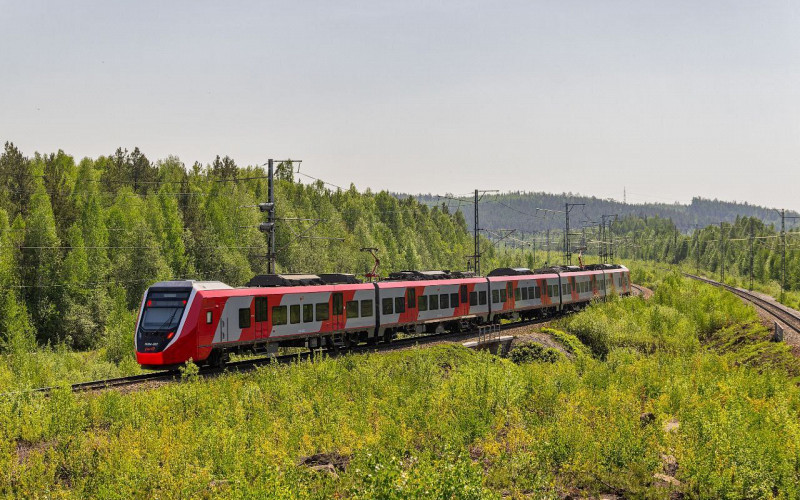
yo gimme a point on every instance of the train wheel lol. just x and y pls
(218, 359)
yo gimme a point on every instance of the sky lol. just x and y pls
(667, 100)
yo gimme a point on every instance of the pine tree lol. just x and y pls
(59, 179)
(79, 327)
(16, 332)
(16, 180)
(41, 267)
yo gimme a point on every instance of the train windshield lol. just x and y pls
(163, 309)
(161, 318)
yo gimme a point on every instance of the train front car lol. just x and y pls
(165, 333)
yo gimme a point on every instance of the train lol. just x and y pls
(206, 321)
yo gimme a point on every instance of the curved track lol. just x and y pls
(785, 316)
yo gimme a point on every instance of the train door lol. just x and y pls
(337, 312)
(262, 325)
(222, 329)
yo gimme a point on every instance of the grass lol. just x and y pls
(686, 378)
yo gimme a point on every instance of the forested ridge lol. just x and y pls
(518, 210)
(82, 239)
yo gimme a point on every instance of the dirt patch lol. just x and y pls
(643, 292)
(326, 462)
(26, 448)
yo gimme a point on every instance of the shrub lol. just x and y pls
(529, 352)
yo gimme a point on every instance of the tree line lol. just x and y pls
(81, 240)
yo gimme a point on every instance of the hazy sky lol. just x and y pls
(670, 98)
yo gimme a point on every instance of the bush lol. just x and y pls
(529, 352)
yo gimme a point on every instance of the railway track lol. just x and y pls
(251, 364)
(787, 319)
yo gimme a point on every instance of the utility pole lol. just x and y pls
(269, 207)
(567, 250)
(783, 243)
(268, 227)
(722, 253)
(611, 236)
(752, 240)
(476, 256)
(696, 249)
(601, 246)
(548, 247)
(476, 259)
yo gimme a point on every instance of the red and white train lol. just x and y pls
(206, 320)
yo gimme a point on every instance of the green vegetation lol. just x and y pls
(529, 352)
(658, 240)
(693, 400)
(81, 241)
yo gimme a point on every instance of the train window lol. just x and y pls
(444, 301)
(322, 311)
(517, 294)
(399, 305)
(473, 298)
(387, 306)
(495, 296)
(509, 289)
(536, 293)
(261, 308)
(279, 315)
(482, 298)
(453, 300)
(338, 304)
(423, 302)
(366, 308)
(563, 288)
(464, 294)
(352, 308)
(308, 313)
(209, 316)
(524, 293)
(411, 296)
(294, 314)
(244, 318)
(434, 302)
(503, 296)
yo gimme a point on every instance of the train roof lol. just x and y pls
(436, 282)
(274, 280)
(197, 285)
(444, 274)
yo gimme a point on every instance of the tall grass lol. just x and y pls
(446, 422)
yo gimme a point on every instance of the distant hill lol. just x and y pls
(518, 211)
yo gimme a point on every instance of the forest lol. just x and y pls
(80, 240)
(518, 210)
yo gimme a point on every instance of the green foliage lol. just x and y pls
(120, 330)
(82, 231)
(571, 343)
(190, 371)
(529, 352)
(682, 313)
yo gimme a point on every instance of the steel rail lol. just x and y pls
(787, 317)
